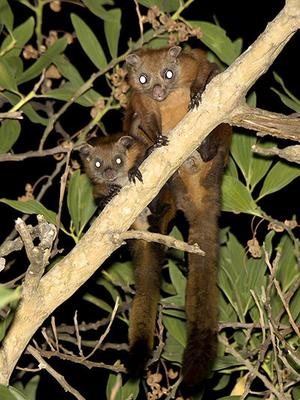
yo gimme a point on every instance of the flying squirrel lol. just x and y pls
(165, 84)
(111, 162)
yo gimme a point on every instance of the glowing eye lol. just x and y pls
(118, 161)
(143, 79)
(168, 74)
(97, 164)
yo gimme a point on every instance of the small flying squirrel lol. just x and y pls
(165, 84)
(111, 162)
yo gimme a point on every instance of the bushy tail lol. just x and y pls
(202, 213)
(148, 259)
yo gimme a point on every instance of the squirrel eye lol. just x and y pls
(143, 79)
(118, 160)
(97, 164)
(169, 74)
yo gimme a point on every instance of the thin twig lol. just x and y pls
(79, 360)
(251, 369)
(168, 241)
(113, 314)
(58, 377)
(140, 18)
(34, 153)
(11, 115)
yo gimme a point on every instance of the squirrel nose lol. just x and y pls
(159, 92)
(110, 174)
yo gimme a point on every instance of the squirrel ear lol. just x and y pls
(133, 60)
(126, 141)
(85, 150)
(174, 51)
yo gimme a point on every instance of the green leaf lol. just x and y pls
(120, 274)
(44, 61)
(131, 389)
(73, 199)
(31, 207)
(9, 133)
(253, 167)
(231, 260)
(4, 325)
(7, 80)
(293, 105)
(289, 94)
(238, 45)
(287, 270)
(31, 387)
(68, 70)
(215, 38)
(279, 176)
(166, 6)
(259, 167)
(236, 197)
(8, 295)
(177, 328)
(18, 395)
(174, 301)
(97, 302)
(6, 15)
(111, 384)
(20, 36)
(80, 200)
(109, 287)
(175, 253)
(173, 350)
(89, 42)
(177, 278)
(16, 66)
(295, 305)
(128, 391)
(96, 7)
(241, 152)
(226, 311)
(225, 362)
(67, 91)
(223, 382)
(112, 27)
(27, 109)
(5, 394)
(231, 169)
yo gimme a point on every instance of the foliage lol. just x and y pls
(46, 78)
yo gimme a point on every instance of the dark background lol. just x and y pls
(240, 19)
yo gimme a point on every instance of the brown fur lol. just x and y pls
(160, 104)
(147, 257)
(118, 157)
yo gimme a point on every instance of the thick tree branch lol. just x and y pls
(222, 96)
